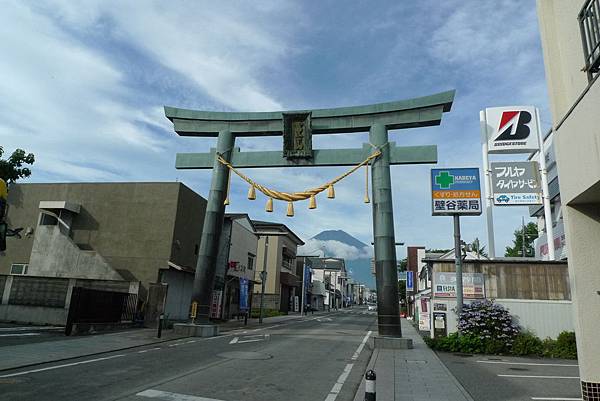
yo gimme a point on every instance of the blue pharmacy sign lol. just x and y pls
(410, 286)
(455, 191)
(243, 293)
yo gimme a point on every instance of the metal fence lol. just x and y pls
(96, 306)
(589, 22)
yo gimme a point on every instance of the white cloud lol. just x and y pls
(334, 249)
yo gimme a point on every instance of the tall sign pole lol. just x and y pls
(545, 192)
(489, 216)
(458, 263)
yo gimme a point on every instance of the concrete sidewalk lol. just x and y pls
(23, 355)
(412, 375)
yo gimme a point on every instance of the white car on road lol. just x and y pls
(371, 306)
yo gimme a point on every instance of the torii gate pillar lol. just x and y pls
(386, 269)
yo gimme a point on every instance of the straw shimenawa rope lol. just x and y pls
(297, 196)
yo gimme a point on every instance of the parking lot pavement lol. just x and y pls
(502, 378)
(15, 334)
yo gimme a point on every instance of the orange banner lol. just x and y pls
(456, 194)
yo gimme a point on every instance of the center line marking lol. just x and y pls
(166, 395)
(540, 377)
(361, 346)
(62, 366)
(529, 363)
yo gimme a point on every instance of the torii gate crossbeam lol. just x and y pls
(377, 119)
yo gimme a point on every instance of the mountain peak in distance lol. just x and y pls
(341, 236)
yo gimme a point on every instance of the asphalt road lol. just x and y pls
(14, 334)
(319, 358)
(495, 378)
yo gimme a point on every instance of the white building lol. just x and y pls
(570, 32)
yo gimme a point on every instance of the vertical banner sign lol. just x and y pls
(455, 191)
(409, 281)
(215, 305)
(243, 294)
(512, 129)
(516, 183)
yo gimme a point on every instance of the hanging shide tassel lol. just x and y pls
(226, 202)
(251, 193)
(269, 206)
(290, 209)
(367, 200)
(330, 192)
(312, 204)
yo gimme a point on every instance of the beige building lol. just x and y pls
(570, 32)
(282, 285)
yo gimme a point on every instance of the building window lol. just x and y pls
(48, 220)
(251, 258)
(19, 269)
(589, 23)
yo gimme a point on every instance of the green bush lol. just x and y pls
(255, 313)
(565, 346)
(527, 344)
(468, 343)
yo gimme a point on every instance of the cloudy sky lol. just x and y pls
(83, 86)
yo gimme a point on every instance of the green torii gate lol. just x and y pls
(297, 128)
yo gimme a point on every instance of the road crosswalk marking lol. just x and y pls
(169, 396)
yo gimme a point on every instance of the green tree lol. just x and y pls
(531, 233)
(14, 167)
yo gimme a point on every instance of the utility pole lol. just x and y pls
(523, 234)
(458, 262)
(263, 278)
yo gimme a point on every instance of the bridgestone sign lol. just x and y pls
(512, 129)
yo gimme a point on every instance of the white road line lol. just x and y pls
(62, 366)
(528, 363)
(556, 399)
(148, 350)
(337, 387)
(235, 340)
(19, 334)
(540, 377)
(168, 396)
(190, 342)
(32, 328)
(175, 345)
(361, 346)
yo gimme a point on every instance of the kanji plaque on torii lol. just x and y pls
(297, 128)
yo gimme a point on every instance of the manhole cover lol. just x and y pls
(12, 381)
(244, 355)
(519, 369)
(494, 359)
(463, 355)
(416, 361)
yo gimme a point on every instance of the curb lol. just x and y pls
(90, 354)
(454, 379)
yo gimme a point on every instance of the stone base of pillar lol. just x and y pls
(392, 342)
(196, 330)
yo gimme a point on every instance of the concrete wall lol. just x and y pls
(273, 263)
(574, 101)
(543, 318)
(188, 227)
(55, 255)
(179, 293)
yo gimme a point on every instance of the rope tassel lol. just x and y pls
(367, 200)
(312, 203)
(330, 192)
(269, 206)
(226, 202)
(251, 193)
(290, 209)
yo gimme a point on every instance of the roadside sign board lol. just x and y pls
(516, 183)
(445, 285)
(410, 286)
(455, 191)
(243, 293)
(512, 129)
